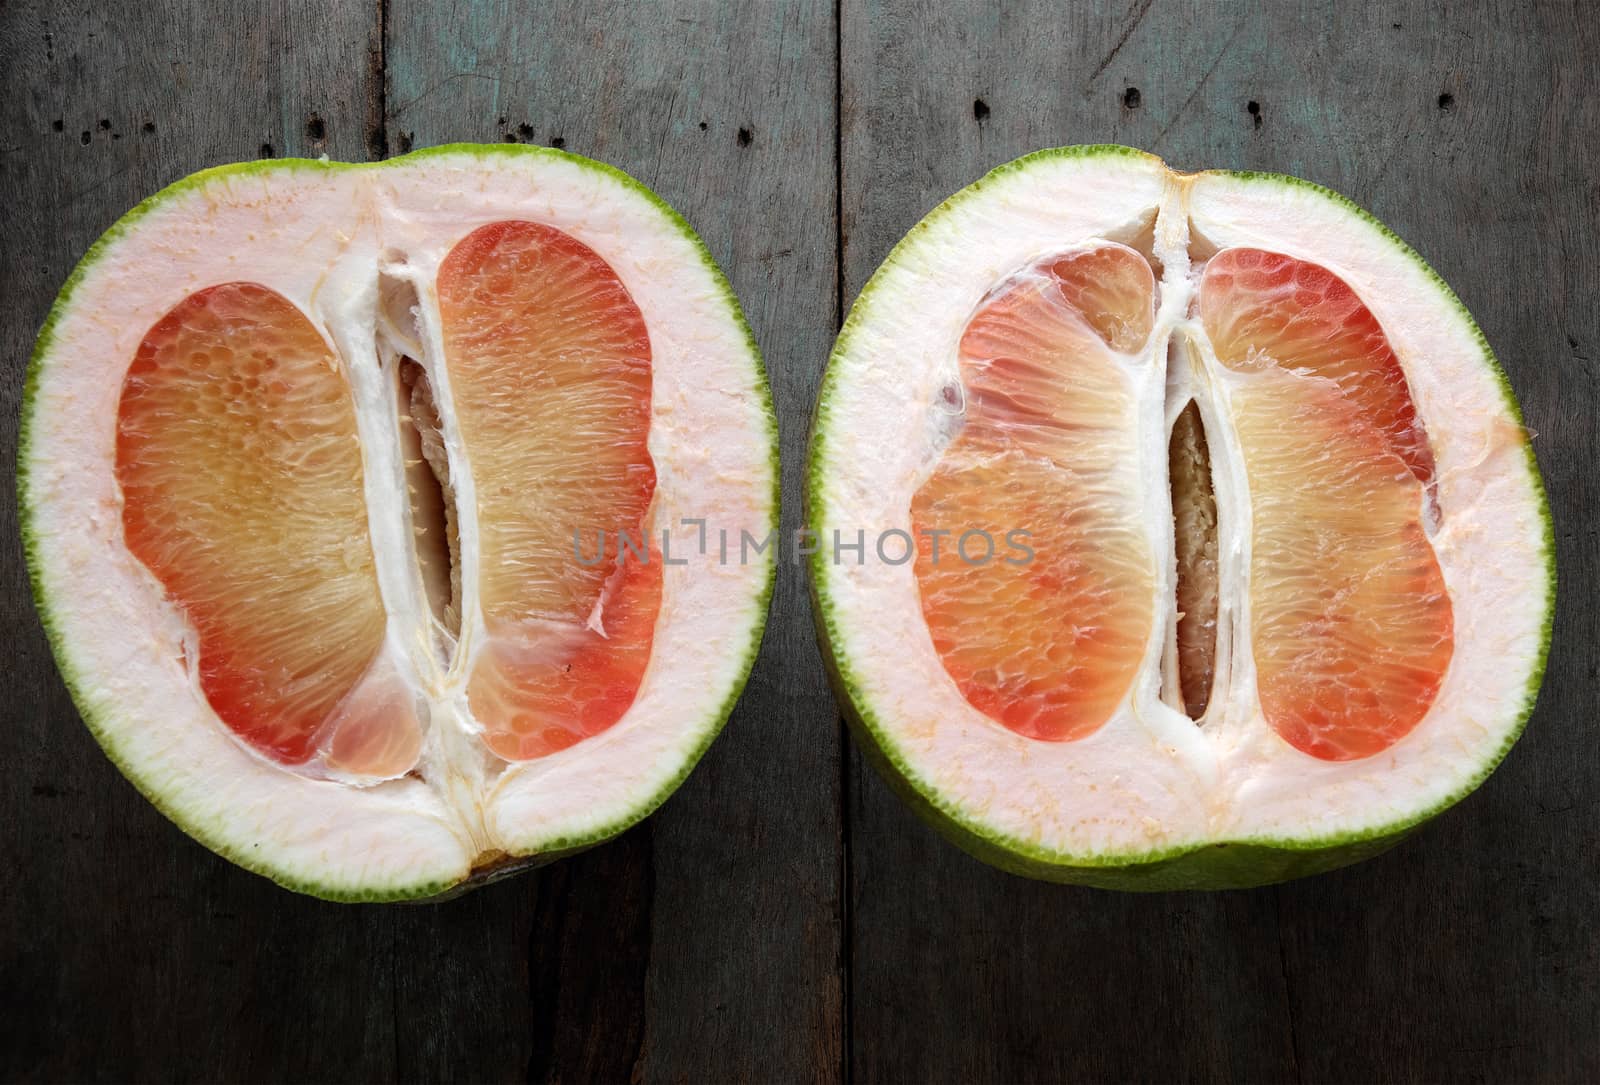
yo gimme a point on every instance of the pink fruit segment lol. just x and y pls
(549, 366)
(1264, 308)
(241, 478)
(1351, 622)
(1049, 646)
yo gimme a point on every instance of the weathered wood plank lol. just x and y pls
(131, 952)
(1465, 953)
(707, 943)
(1472, 947)
(706, 947)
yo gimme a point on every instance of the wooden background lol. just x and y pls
(784, 918)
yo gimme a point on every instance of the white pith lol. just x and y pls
(1151, 780)
(321, 238)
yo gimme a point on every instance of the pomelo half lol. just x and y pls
(367, 509)
(1203, 542)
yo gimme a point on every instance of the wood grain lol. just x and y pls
(1464, 954)
(784, 917)
(704, 942)
(727, 112)
(130, 952)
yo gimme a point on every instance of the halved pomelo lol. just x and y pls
(1246, 565)
(350, 496)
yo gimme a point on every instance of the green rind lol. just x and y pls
(95, 717)
(1230, 864)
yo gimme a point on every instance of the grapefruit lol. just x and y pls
(355, 503)
(1230, 561)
